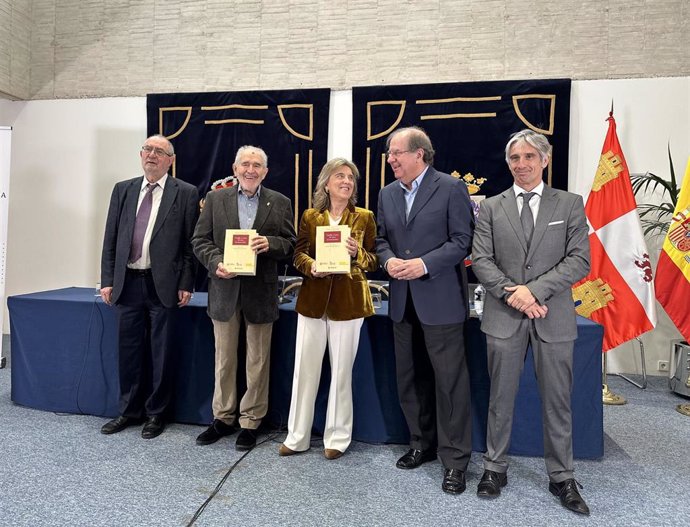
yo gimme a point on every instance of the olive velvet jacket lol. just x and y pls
(338, 296)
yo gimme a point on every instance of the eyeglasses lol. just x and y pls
(148, 149)
(397, 153)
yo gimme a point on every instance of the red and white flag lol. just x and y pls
(618, 293)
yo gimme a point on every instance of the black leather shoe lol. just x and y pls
(569, 495)
(214, 432)
(413, 458)
(246, 440)
(118, 424)
(453, 481)
(491, 483)
(153, 427)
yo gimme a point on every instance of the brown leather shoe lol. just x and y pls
(332, 453)
(285, 451)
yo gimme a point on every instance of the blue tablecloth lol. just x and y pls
(64, 359)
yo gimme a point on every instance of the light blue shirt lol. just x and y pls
(247, 207)
(411, 194)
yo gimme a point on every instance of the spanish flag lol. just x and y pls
(672, 279)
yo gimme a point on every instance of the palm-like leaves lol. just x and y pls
(656, 218)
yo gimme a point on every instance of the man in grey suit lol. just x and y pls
(254, 298)
(530, 247)
(147, 271)
(425, 224)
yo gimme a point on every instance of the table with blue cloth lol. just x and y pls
(64, 359)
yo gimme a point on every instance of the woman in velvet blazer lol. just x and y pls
(331, 309)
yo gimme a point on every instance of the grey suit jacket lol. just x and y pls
(558, 257)
(439, 231)
(258, 295)
(172, 261)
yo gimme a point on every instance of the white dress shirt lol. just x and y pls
(157, 194)
(533, 203)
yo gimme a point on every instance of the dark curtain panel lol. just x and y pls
(291, 126)
(469, 124)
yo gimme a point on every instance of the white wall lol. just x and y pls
(67, 154)
(650, 114)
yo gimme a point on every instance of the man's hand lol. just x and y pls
(405, 269)
(184, 297)
(523, 300)
(521, 297)
(392, 264)
(222, 272)
(107, 295)
(259, 244)
(536, 311)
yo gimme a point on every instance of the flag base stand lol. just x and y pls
(608, 397)
(683, 409)
(644, 369)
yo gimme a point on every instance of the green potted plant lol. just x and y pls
(656, 218)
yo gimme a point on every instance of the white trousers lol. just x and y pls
(342, 338)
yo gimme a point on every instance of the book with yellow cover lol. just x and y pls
(331, 249)
(239, 258)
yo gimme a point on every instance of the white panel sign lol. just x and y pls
(5, 135)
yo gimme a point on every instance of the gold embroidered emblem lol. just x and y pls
(590, 296)
(473, 183)
(610, 167)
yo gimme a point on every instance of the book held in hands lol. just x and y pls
(331, 249)
(239, 258)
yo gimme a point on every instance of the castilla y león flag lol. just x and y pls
(618, 293)
(673, 271)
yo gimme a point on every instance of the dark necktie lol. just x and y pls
(141, 223)
(526, 216)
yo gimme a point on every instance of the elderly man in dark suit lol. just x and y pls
(253, 298)
(425, 224)
(530, 247)
(147, 271)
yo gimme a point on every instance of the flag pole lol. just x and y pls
(644, 369)
(607, 396)
(684, 408)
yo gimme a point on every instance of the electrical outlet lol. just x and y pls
(662, 365)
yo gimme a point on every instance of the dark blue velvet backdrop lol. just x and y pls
(207, 129)
(469, 124)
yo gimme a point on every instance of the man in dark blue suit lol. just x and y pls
(147, 272)
(425, 225)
